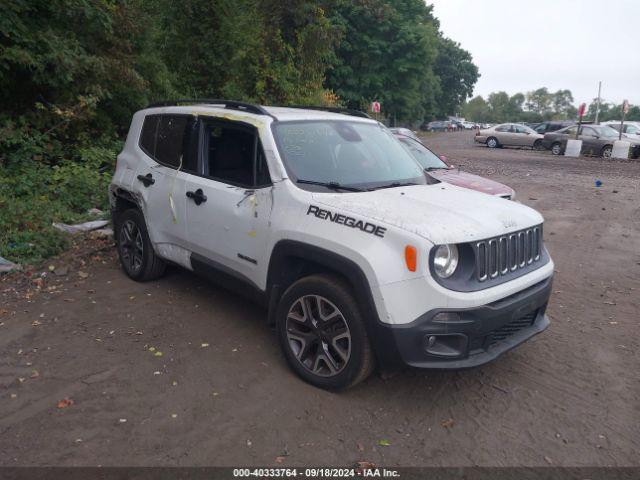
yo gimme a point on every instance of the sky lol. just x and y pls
(521, 45)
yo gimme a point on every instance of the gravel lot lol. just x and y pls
(221, 394)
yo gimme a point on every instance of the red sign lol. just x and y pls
(625, 107)
(582, 109)
(375, 107)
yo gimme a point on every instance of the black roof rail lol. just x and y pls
(345, 111)
(229, 104)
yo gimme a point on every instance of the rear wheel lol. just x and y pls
(556, 148)
(606, 151)
(322, 333)
(137, 257)
(492, 142)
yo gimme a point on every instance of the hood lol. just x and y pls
(469, 180)
(441, 213)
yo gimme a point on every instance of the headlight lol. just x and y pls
(445, 260)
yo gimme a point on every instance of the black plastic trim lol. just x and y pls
(477, 324)
(228, 104)
(228, 278)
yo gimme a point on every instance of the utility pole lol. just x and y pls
(598, 103)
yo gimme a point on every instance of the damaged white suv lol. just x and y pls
(359, 256)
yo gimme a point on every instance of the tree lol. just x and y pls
(562, 101)
(539, 101)
(457, 74)
(387, 54)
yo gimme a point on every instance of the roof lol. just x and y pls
(231, 109)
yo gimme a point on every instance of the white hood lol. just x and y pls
(441, 213)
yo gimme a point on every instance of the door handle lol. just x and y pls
(198, 197)
(146, 179)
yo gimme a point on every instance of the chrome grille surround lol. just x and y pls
(507, 253)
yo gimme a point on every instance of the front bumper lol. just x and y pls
(464, 338)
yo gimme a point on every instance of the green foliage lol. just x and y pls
(534, 106)
(72, 72)
(33, 195)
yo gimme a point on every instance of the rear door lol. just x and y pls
(505, 134)
(229, 204)
(169, 150)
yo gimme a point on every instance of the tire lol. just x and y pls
(137, 257)
(537, 145)
(322, 333)
(606, 151)
(492, 142)
(556, 148)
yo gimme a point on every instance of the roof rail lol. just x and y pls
(346, 111)
(229, 104)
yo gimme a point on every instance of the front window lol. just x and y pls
(350, 154)
(422, 154)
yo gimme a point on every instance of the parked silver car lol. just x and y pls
(509, 135)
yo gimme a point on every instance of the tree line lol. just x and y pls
(537, 106)
(75, 67)
(72, 72)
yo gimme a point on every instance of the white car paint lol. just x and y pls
(234, 219)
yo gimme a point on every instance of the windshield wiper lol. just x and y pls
(331, 185)
(393, 185)
(431, 169)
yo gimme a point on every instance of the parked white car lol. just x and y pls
(324, 218)
(630, 130)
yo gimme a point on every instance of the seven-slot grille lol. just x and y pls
(508, 253)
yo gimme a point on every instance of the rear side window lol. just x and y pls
(148, 134)
(504, 128)
(171, 140)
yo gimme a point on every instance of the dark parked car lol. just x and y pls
(552, 126)
(438, 126)
(596, 140)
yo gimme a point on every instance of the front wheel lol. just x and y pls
(537, 145)
(556, 148)
(492, 142)
(322, 333)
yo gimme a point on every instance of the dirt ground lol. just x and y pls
(179, 372)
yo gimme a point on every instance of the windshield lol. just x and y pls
(422, 154)
(355, 154)
(607, 132)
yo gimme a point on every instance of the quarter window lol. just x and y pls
(171, 140)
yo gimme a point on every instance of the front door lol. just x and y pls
(229, 206)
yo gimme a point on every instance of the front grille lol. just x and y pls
(508, 253)
(513, 327)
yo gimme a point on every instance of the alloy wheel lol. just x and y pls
(318, 335)
(131, 246)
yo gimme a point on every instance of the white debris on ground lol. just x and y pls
(7, 266)
(81, 227)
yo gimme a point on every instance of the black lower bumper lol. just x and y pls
(464, 338)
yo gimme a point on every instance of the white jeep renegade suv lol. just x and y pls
(359, 257)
